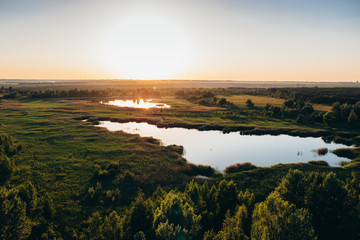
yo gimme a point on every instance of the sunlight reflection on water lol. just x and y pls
(221, 150)
(136, 103)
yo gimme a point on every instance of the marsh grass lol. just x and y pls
(239, 167)
(59, 151)
(322, 151)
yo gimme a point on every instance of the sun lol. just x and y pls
(146, 46)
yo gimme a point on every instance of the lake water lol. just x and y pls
(136, 103)
(221, 150)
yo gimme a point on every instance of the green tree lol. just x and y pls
(6, 169)
(353, 117)
(222, 101)
(176, 217)
(329, 118)
(249, 103)
(14, 223)
(140, 217)
(336, 109)
(233, 227)
(352, 187)
(28, 194)
(300, 118)
(48, 208)
(276, 219)
(226, 198)
(323, 195)
(111, 228)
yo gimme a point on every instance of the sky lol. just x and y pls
(309, 40)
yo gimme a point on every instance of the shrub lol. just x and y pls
(239, 167)
(249, 103)
(322, 151)
(319, 163)
(199, 170)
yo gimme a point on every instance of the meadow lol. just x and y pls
(86, 170)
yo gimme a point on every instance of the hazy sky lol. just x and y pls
(316, 40)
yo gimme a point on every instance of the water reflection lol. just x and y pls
(221, 150)
(136, 103)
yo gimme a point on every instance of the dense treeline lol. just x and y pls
(297, 106)
(52, 93)
(24, 212)
(318, 95)
(303, 206)
(202, 97)
(12, 93)
(343, 113)
(314, 95)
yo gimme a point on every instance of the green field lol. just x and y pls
(67, 159)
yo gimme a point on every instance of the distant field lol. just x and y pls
(261, 101)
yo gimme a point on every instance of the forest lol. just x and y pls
(61, 177)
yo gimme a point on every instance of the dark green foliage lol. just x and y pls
(350, 153)
(323, 195)
(112, 186)
(205, 97)
(278, 219)
(223, 101)
(300, 118)
(48, 208)
(233, 226)
(199, 170)
(307, 109)
(319, 163)
(7, 145)
(28, 194)
(226, 198)
(112, 227)
(14, 223)
(239, 167)
(344, 113)
(353, 117)
(175, 218)
(249, 103)
(322, 151)
(318, 95)
(140, 218)
(103, 228)
(289, 103)
(329, 118)
(6, 169)
(176, 148)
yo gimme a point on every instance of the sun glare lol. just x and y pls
(145, 46)
(137, 103)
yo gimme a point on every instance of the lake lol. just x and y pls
(136, 103)
(220, 150)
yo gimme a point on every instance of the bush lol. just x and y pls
(239, 167)
(202, 170)
(322, 151)
(300, 118)
(6, 169)
(350, 153)
(249, 103)
(319, 163)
